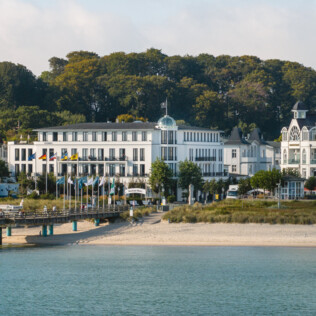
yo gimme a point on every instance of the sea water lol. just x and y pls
(137, 280)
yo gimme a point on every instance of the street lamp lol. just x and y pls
(279, 195)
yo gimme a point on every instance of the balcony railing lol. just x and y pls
(294, 161)
(313, 161)
(90, 158)
(214, 174)
(205, 158)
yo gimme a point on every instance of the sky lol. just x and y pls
(33, 31)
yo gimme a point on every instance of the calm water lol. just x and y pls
(106, 280)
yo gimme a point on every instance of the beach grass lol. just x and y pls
(238, 211)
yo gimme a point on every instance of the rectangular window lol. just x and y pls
(142, 154)
(23, 154)
(112, 154)
(51, 152)
(85, 136)
(191, 136)
(134, 136)
(29, 152)
(144, 136)
(164, 137)
(74, 136)
(135, 154)
(142, 170)
(122, 170)
(124, 136)
(112, 169)
(234, 168)
(44, 137)
(185, 136)
(234, 153)
(170, 153)
(104, 136)
(164, 153)
(17, 169)
(65, 136)
(122, 154)
(23, 168)
(94, 136)
(84, 153)
(55, 136)
(100, 154)
(44, 168)
(51, 168)
(63, 151)
(135, 170)
(29, 168)
(170, 137)
(198, 136)
(92, 154)
(194, 136)
(114, 136)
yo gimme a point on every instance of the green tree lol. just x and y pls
(25, 183)
(190, 173)
(4, 170)
(244, 186)
(51, 183)
(160, 176)
(310, 183)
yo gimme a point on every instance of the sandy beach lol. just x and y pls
(152, 231)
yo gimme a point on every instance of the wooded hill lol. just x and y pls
(219, 92)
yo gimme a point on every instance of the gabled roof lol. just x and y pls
(256, 135)
(299, 106)
(309, 122)
(274, 144)
(236, 137)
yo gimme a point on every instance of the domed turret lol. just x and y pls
(167, 122)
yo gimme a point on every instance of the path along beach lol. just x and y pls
(151, 230)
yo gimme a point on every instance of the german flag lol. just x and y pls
(43, 157)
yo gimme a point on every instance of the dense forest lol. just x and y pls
(218, 92)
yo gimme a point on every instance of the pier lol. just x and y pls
(48, 219)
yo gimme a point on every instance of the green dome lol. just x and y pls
(167, 122)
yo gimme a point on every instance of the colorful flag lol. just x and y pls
(102, 181)
(69, 180)
(89, 181)
(96, 180)
(81, 181)
(30, 158)
(74, 157)
(64, 156)
(43, 157)
(61, 180)
(53, 157)
(112, 191)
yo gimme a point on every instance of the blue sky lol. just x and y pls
(32, 31)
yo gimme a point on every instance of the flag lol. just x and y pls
(69, 180)
(102, 181)
(96, 180)
(64, 156)
(112, 191)
(89, 181)
(43, 157)
(163, 105)
(81, 181)
(74, 157)
(30, 158)
(61, 181)
(53, 157)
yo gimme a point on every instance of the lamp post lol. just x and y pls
(279, 195)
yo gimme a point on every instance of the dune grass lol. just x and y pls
(237, 211)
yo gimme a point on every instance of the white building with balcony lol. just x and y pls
(298, 146)
(124, 150)
(245, 156)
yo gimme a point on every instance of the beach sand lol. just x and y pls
(152, 231)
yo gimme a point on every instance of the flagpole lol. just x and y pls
(103, 193)
(87, 193)
(35, 174)
(166, 106)
(92, 204)
(70, 192)
(64, 193)
(98, 194)
(46, 167)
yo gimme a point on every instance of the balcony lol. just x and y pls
(294, 161)
(214, 174)
(313, 161)
(205, 158)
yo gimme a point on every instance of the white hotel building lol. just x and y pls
(125, 150)
(298, 146)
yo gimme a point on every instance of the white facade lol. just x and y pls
(125, 150)
(298, 146)
(246, 156)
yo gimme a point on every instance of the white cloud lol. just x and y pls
(31, 34)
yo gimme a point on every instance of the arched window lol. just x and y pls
(295, 134)
(284, 156)
(304, 156)
(284, 135)
(305, 134)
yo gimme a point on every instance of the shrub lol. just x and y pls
(171, 198)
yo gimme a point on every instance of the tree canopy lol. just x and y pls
(190, 173)
(202, 90)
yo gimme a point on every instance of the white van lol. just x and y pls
(232, 192)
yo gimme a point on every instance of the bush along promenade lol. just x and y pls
(239, 211)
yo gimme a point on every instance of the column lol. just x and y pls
(44, 230)
(9, 231)
(74, 226)
(0, 236)
(97, 222)
(51, 230)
